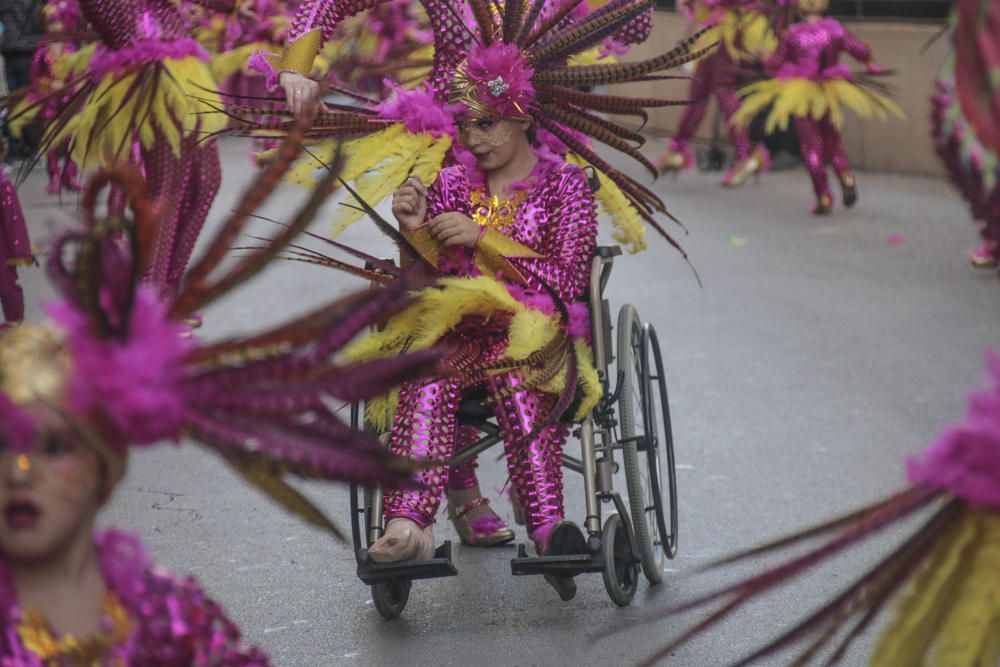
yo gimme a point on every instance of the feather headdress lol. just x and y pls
(118, 359)
(516, 57)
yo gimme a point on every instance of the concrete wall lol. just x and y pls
(902, 146)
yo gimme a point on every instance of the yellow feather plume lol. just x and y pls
(950, 615)
(439, 309)
(799, 97)
(103, 132)
(630, 230)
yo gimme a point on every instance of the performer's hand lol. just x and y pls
(874, 68)
(302, 93)
(409, 204)
(455, 229)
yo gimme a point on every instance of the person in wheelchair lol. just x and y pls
(515, 226)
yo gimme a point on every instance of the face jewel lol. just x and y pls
(498, 86)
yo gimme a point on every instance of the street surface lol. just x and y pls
(818, 354)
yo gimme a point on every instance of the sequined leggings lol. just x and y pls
(182, 187)
(715, 74)
(821, 144)
(61, 176)
(425, 428)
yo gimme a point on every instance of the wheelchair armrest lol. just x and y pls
(607, 251)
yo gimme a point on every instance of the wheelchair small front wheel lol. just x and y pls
(390, 597)
(621, 567)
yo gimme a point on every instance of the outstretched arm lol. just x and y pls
(852, 45)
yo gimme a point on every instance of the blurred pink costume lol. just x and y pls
(14, 249)
(172, 621)
(717, 74)
(811, 51)
(182, 187)
(558, 220)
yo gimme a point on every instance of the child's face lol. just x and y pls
(494, 142)
(48, 496)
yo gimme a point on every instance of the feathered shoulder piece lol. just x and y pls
(946, 574)
(119, 359)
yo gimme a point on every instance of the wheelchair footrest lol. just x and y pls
(567, 565)
(371, 572)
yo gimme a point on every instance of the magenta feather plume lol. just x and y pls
(134, 381)
(419, 110)
(965, 460)
(503, 78)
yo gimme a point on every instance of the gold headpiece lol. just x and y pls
(464, 91)
(34, 364)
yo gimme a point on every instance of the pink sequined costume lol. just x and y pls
(15, 249)
(558, 220)
(813, 50)
(412, 134)
(172, 620)
(720, 73)
(807, 76)
(182, 183)
(140, 93)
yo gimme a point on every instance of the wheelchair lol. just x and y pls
(632, 420)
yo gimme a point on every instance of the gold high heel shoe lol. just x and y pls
(670, 162)
(742, 171)
(486, 531)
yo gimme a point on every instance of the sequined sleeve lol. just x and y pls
(566, 240)
(181, 625)
(638, 29)
(312, 26)
(852, 45)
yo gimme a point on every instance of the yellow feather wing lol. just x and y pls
(630, 230)
(955, 583)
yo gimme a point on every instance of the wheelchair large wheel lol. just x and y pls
(621, 570)
(646, 443)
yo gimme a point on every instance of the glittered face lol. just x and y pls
(49, 495)
(493, 142)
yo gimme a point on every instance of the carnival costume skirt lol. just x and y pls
(533, 325)
(802, 97)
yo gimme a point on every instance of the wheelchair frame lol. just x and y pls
(612, 548)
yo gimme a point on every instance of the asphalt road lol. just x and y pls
(816, 356)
